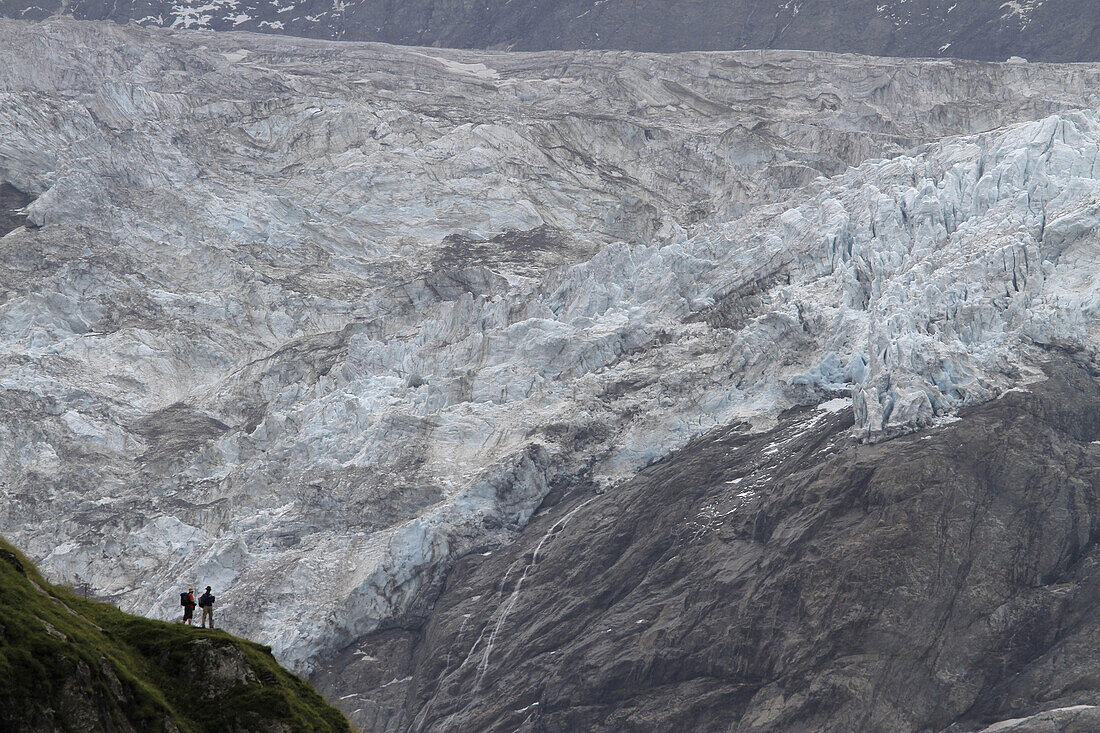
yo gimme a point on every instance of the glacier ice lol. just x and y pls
(305, 321)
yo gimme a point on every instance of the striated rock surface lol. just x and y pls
(991, 30)
(789, 581)
(308, 322)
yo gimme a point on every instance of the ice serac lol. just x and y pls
(308, 322)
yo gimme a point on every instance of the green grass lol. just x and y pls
(38, 669)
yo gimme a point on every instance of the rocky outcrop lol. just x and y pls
(992, 30)
(12, 202)
(788, 581)
(214, 669)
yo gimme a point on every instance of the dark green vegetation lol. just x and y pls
(71, 664)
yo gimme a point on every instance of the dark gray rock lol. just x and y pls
(13, 559)
(215, 669)
(1048, 30)
(74, 704)
(789, 581)
(531, 253)
(175, 430)
(12, 200)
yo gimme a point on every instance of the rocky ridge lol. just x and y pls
(308, 322)
(71, 664)
(991, 30)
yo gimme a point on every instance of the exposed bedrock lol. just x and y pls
(1047, 30)
(12, 201)
(787, 581)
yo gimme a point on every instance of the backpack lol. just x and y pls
(183, 600)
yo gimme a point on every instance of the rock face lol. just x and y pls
(310, 322)
(790, 581)
(12, 200)
(992, 30)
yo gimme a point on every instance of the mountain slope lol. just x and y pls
(71, 664)
(787, 581)
(1047, 30)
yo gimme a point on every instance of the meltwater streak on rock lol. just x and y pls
(507, 606)
(308, 321)
(795, 581)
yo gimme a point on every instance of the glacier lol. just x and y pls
(307, 321)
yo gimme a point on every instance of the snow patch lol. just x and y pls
(836, 405)
(234, 56)
(477, 69)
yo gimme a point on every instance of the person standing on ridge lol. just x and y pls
(206, 603)
(187, 600)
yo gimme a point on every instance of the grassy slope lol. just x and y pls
(101, 645)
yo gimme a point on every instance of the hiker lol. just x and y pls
(187, 600)
(206, 603)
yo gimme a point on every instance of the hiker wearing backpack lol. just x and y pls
(206, 603)
(187, 600)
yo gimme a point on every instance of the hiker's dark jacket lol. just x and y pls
(206, 599)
